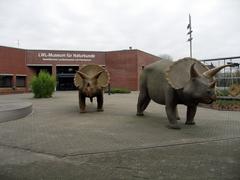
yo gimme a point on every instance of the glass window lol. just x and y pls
(20, 81)
(6, 80)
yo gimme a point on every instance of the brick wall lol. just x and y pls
(12, 61)
(143, 60)
(122, 66)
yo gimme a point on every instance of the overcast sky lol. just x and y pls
(154, 26)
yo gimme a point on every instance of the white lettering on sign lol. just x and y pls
(65, 56)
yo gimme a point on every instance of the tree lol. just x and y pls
(166, 57)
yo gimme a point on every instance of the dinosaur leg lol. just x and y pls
(176, 113)
(100, 102)
(82, 104)
(171, 114)
(143, 101)
(191, 111)
(171, 109)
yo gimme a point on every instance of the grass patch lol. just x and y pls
(118, 90)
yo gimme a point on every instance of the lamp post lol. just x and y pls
(190, 34)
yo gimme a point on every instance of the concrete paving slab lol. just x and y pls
(56, 133)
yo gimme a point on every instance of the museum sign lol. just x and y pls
(65, 56)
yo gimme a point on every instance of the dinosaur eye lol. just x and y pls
(209, 92)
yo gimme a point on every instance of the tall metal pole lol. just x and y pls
(190, 34)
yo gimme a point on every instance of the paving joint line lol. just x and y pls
(32, 151)
(120, 150)
(151, 147)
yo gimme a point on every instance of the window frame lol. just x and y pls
(25, 81)
(11, 81)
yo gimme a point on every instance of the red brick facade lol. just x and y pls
(17, 65)
(12, 63)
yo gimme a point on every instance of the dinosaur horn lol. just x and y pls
(97, 74)
(212, 72)
(213, 84)
(83, 75)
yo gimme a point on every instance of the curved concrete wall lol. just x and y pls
(14, 110)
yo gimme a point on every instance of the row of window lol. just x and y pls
(6, 81)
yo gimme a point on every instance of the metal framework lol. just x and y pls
(226, 78)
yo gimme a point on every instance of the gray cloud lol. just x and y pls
(154, 26)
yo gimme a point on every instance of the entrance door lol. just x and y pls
(65, 76)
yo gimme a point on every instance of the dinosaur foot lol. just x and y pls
(173, 126)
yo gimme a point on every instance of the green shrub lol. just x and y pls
(43, 85)
(118, 90)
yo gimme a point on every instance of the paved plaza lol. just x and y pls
(56, 142)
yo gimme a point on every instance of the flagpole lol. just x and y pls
(190, 34)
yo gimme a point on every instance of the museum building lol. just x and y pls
(18, 66)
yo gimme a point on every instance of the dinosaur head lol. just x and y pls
(90, 84)
(196, 81)
(91, 79)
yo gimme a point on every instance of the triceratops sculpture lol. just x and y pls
(91, 81)
(186, 81)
